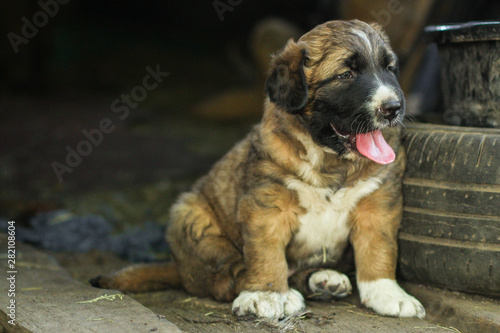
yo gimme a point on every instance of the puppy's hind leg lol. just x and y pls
(140, 278)
(208, 260)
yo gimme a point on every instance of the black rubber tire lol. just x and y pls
(450, 233)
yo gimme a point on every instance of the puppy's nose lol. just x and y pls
(390, 109)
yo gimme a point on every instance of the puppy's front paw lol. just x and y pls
(268, 304)
(327, 284)
(386, 297)
(294, 302)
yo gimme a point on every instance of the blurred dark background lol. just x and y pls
(70, 68)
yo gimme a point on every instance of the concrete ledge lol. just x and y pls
(48, 299)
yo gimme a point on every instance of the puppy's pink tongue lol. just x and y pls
(374, 146)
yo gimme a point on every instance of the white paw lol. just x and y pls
(294, 302)
(386, 297)
(268, 304)
(330, 283)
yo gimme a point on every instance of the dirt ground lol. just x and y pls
(192, 314)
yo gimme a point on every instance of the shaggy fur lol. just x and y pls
(279, 212)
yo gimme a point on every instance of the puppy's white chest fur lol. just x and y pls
(324, 228)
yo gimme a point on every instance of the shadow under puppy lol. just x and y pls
(269, 223)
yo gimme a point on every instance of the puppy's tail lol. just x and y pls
(141, 278)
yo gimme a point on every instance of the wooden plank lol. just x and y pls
(204, 315)
(48, 299)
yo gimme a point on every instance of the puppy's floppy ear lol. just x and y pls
(286, 84)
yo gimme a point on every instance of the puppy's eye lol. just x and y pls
(345, 75)
(391, 68)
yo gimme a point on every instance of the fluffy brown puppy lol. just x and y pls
(322, 169)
